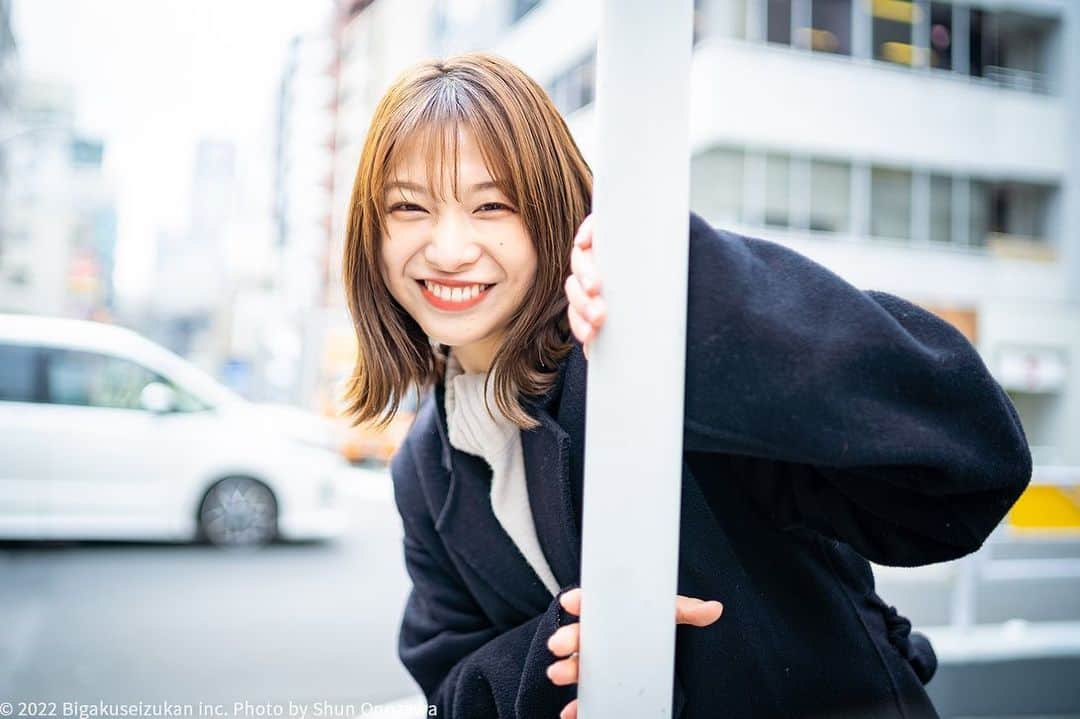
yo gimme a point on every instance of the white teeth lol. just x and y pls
(453, 294)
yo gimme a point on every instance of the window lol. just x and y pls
(90, 379)
(778, 21)
(575, 87)
(20, 373)
(521, 8)
(716, 183)
(777, 190)
(941, 28)
(890, 203)
(1021, 53)
(979, 217)
(830, 196)
(1017, 210)
(831, 31)
(981, 46)
(941, 213)
(893, 21)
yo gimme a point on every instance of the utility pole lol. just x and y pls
(634, 408)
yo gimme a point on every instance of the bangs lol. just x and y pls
(432, 130)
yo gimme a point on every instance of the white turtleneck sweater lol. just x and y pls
(498, 441)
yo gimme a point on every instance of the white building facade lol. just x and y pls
(927, 149)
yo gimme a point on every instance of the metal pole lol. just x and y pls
(634, 408)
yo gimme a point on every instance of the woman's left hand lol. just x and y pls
(587, 309)
(564, 642)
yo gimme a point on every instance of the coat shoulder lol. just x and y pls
(419, 452)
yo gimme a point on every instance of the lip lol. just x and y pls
(454, 283)
(439, 303)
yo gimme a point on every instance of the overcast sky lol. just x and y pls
(151, 77)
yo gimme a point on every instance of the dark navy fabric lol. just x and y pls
(824, 426)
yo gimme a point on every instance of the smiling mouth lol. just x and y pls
(453, 298)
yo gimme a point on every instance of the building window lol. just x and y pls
(980, 42)
(941, 210)
(893, 21)
(1015, 50)
(778, 21)
(1010, 212)
(716, 183)
(521, 8)
(941, 40)
(777, 190)
(890, 203)
(830, 196)
(576, 87)
(831, 26)
(979, 213)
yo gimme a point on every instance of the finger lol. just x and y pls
(564, 641)
(594, 309)
(582, 265)
(581, 327)
(571, 601)
(564, 671)
(584, 235)
(690, 610)
(569, 711)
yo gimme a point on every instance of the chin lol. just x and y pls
(455, 339)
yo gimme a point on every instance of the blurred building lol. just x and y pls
(58, 225)
(8, 76)
(303, 203)
(928, 149)
(373, 45)
(192, 287)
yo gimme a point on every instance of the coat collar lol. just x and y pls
(552, 453)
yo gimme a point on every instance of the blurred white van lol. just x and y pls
(107, 435)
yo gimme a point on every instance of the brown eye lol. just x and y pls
(406, 207)
(494, 206)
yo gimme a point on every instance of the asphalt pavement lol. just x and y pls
(315, 624)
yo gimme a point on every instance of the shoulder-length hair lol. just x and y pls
(531, 155)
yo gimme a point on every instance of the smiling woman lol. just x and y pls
(442, 258)
(467, 197)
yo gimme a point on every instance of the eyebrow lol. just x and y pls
(423, 190)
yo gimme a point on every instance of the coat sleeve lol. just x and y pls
(853, 413)
(466, 667)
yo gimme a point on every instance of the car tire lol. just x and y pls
(238, 512)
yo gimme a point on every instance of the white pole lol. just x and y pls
(634, 409)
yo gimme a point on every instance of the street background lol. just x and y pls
(181, 169)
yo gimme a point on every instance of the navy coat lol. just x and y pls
(824, 426)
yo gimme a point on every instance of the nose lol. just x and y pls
(453, 245)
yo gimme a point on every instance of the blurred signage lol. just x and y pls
(1031, 369)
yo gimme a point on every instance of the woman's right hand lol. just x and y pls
(587, 309)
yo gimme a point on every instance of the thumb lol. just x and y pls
(690, 610)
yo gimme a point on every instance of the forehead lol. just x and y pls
(428, 158)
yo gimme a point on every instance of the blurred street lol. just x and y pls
(124, 622)
(311, 622)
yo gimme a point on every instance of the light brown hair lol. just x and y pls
(531, 155)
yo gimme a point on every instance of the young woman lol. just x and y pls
(825, 426)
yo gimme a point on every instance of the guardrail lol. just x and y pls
(981, 565)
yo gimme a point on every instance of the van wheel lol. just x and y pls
(238, 511)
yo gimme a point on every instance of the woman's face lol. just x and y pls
(460, 269)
